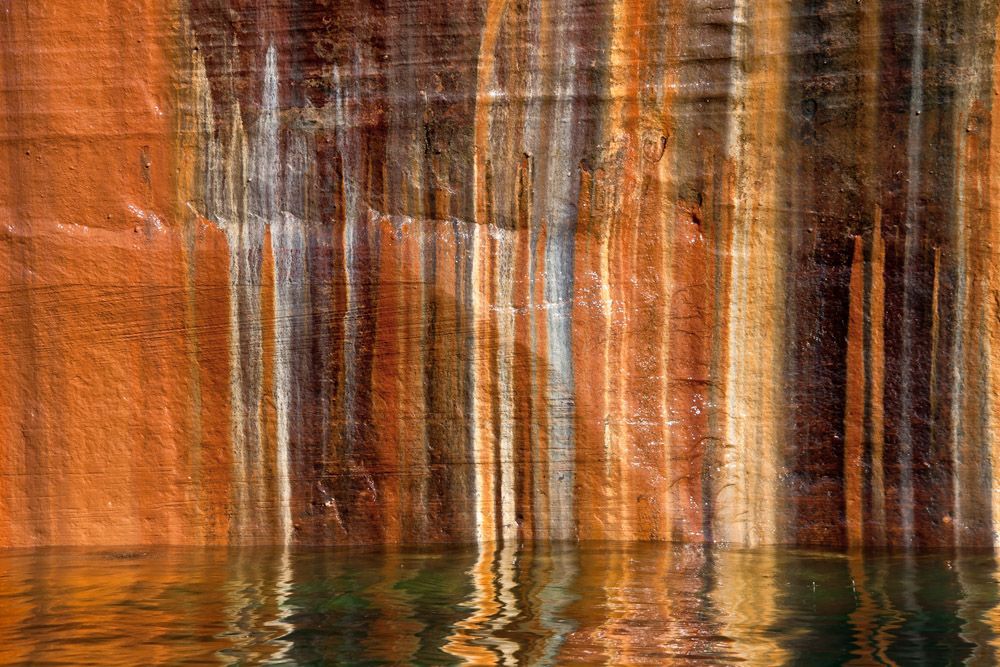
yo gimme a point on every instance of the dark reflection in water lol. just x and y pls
(557, 604)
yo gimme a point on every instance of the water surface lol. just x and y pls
(558, 604)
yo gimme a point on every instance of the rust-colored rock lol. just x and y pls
(356, 271)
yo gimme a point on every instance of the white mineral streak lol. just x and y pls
(241, 198)
(286, 238)
(482, 437)
(504, 272)
(957, 434)
(973, 402)
(748, 476)
(352, 174)
(913, 159)
(225, 203)
(265, 174)
(556, 187)
(291, 306)
(286, 249)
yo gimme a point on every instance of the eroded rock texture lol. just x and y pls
(334, 271)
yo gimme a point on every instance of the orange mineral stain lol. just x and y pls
(99, 398)
(854, 416)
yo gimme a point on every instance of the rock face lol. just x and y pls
(355, 271)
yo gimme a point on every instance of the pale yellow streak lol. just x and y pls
(484, 440)
(746, 496)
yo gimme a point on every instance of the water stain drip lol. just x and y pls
(356, 272)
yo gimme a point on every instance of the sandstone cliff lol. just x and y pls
(345, 271)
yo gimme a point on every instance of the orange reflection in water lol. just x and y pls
(595, 603)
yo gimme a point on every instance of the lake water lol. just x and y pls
(594, 603)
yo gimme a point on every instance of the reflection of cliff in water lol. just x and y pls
(598, 602)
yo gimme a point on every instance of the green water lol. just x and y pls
(560, 604)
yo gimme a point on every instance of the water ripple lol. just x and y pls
(593, 603)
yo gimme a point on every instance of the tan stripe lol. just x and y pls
(265, 514)
(854, 401)
(992, 296)
(484, 106)
(876, 435)
(588, 357)
(747, 481)
(484, 394)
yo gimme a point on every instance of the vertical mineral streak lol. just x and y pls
(488, 434)
(503, 239)
(854, 414)
(873, 344)
(875, 375)
(912, 231)
(746, 486)
(286, 246)
(551, 136)
(209, 292)
(484, 383)
(863, 465)
(226, 204)
(991, 292)
(970, 360)
(618, 269)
